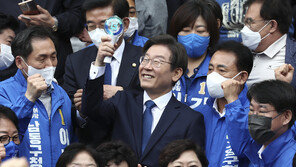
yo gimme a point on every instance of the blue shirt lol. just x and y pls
(278, 153)
(219, 149)
(192, 90)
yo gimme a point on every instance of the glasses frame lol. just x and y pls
(20, 136)
(249, 22)
(154, 62)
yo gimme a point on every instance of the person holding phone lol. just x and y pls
(63, 17)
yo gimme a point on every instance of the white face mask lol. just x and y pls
(47, 73)
(6, 58)
(133, 26)
(96, 35)
(214, 81)
(252, 39)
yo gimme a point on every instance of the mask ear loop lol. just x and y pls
(26, 65)
(263, 28)
(237, 75)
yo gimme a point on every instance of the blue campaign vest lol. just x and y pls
(193, 91)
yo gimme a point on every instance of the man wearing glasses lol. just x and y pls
(149, 119)
(121, 72)
(265, 33)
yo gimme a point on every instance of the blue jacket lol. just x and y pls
(218, 146)
(278, 153)
(45, 138)
(139, 40)
(192, 91)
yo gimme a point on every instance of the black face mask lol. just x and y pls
(259, 128)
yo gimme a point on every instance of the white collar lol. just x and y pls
(260, 151)
(274, 48)
(215, 106)
(119, 52)
(161, 101)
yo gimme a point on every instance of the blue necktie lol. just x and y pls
(147, 123)
(108, 74)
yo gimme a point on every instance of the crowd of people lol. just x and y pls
(189, 83)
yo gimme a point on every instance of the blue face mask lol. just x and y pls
(11, 150)
(194, 44)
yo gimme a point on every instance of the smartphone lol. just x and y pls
(25, 17)
(29, 7)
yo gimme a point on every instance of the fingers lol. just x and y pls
(37, 81)
(25, 19)
(2, 151)
(42, 10)
(106, 39)
(35, 86)
(106, 49)
(291, 68)
(78, 93)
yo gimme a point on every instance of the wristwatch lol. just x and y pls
(55, 26)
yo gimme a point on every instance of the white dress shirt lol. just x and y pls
(267, 61)
(260, 151)
(96, 71)
(161, 102)
(215, 106)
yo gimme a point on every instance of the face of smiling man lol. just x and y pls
(157, 81)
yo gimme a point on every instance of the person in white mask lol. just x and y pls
(34, 96)
(230, 64)
(8, 26)
(265, 33)
(123, 69)
(131, 35)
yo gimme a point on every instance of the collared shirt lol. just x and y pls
(161, 102)
(45, 98)
(96, 71)
(215, 106)
(267, 61)
(260, 151)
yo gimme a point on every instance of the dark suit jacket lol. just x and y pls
(77, 72)
(122, 114)
(69, 15)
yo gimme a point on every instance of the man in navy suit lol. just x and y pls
(149, 119)
(123, 66)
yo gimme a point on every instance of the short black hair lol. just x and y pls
(179, 56)
(7, 113)
(187, 14)
(281, 95)
(278, 10)
(173, 151)
(74, 149)
(117, 152)
(244, 57)
(22, 43)
(120, 7)
(8, 21)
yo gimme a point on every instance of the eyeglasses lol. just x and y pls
(92, 26)
(249, 22)
(156, 62)
(6, 139)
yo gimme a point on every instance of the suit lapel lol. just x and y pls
(137, 123)
(129, 63)
(169, 115)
